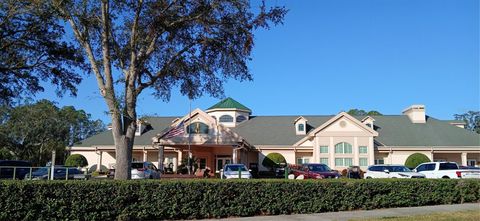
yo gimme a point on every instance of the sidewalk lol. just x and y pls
(340, 216)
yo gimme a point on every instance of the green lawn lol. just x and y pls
(473, 215)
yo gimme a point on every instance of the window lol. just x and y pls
(343, 148)
(363, 162)
(323, 149)
(379, 161)
(241, 118)
(448, 166)
(226, 118)
(343, 162)
(429, 167)
(324, 161)
(471, 162)
(362, 149)
(421, 168)
(301, 127)
(338, 161)
(197, 128)
(203, 163)
(303, 160)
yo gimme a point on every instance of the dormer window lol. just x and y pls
(226, 119)
(241, 118)
(300, 126)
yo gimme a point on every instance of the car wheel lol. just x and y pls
(369, 177)
(445, 177)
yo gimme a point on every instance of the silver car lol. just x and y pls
(144, 170)
(232, 171)
(390, 171)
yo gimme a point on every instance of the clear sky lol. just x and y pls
(336, 55)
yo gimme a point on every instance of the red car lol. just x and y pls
(316, 171)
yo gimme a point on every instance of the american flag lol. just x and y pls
(175, 131)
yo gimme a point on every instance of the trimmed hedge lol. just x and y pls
(416, 159)
(196, 199)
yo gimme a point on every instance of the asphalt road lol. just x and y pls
(340, 216)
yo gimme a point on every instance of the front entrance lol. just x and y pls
(221, 161)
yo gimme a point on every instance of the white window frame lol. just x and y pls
(360, 147)
(320, 149)
(303, 159)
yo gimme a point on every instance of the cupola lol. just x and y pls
(229, 112)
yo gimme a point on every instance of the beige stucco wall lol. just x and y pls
(399, 157)
(108, 158)
(288, 154)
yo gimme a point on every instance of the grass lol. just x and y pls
(472, 215)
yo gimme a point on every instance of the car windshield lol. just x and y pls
(43, 170)
(235, 168)
(398, 169)
(318, 168)
(137, 165)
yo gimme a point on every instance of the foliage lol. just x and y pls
(32, 131)
(360, 112)
(161, 45)
(200, 199)
(416, 159)
(76, 160)
(5, 154)
(32, 50)
(471, 119)
(272, 160)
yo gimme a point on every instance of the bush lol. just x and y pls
(416, 159)
(76, 160)
(199, 199)
(272, 160)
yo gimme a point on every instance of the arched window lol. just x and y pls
(226, 118)
(343, 147)
(301, 127)
(241, 118)
(197, 128)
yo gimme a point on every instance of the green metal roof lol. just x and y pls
(229, 103)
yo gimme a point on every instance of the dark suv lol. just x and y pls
(10, 167)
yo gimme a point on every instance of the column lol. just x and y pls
(331, 154)
(161, 157)
(464, 159)
(99, 160)
(234, 155)
(145, 155)
(179, 158)
(371, 150)
(355, 150)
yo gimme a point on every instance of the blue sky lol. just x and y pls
(336, 55)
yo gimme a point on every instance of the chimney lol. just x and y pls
(416, 113)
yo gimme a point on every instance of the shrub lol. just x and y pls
(416, 159)
(76, 160)
(200, 199)
(272, 160)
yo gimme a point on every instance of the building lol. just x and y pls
(228, 132)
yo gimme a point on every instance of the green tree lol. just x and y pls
(32, 131)
(471, 119)
(136, 45)
(32, 50)
(272, 160)
(76, 160)
(360, 112)
(416, 159)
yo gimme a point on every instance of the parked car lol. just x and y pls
(144, 170)
(232, 171)
(60, 173)
(446, 170)
(10, 167)
(390, 171)
(316, 171)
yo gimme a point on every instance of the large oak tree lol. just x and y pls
(135, 45)
(33, 49)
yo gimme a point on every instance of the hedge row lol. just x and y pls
(189, 199)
